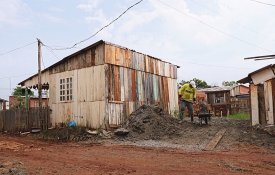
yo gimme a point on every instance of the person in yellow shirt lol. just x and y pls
(187, 94)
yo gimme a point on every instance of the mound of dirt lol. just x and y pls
(150, 122)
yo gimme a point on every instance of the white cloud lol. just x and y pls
(97, 16)
(89, 5)
(136, 19)
(52, 18)
(13, 12)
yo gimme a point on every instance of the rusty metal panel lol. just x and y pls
(126, 84)
(109, 54)
(122, 83)
(128, 58)
(147, 67)
(119, 56)
(139, 84)
(134, 61)
(117, 84)
(155, 88)
(134, 86)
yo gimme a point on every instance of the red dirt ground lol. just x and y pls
(39, 157)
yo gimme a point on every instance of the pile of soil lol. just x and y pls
(66, 134)
(151, 122)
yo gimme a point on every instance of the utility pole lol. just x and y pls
(39, 84)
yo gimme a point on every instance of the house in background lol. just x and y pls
(240, 101)
(3, 105)
(33, 102)
(102, 84)
(262, 95)
(219, 99)
(226, 100)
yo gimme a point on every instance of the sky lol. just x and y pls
(208, 39)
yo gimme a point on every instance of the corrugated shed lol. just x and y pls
(109, 83)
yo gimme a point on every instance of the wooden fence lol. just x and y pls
(15, 120)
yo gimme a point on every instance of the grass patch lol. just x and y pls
(240, 116)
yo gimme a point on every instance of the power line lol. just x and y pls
(51, 51)
(216, 29)
(66, 48)
(264, 3)
(238, 23)
(13, 50)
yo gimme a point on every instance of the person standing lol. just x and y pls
(187, 94)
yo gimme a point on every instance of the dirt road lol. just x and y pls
(39, 157)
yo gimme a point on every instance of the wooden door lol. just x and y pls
(261, 103)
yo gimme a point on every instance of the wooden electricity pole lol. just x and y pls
(40, 85)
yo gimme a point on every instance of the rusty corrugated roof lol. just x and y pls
(84, 49)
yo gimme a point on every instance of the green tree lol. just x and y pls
(229, 83)
(19, 94)
(199, 83)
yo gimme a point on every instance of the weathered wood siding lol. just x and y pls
(87, 58)
(87, 107)
(45, 78)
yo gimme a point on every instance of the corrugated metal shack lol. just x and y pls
(102, 84)
(262, 95)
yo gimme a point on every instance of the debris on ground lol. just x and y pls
(68, 133)
(94, 132)
(121, 132)
(270, 129)
(12, 168)
(151, 122)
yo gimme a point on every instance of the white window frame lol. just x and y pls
(66, 89)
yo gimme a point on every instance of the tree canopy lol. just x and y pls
(199, 83)
(19, 93)
(229, 83)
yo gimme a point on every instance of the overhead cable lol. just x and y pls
(21, 47)
(73, 46)
(264, 3)
(216, 29)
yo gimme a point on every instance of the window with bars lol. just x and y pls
(66, 89)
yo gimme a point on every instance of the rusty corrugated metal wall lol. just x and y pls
(134, 79)
(108, 83)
